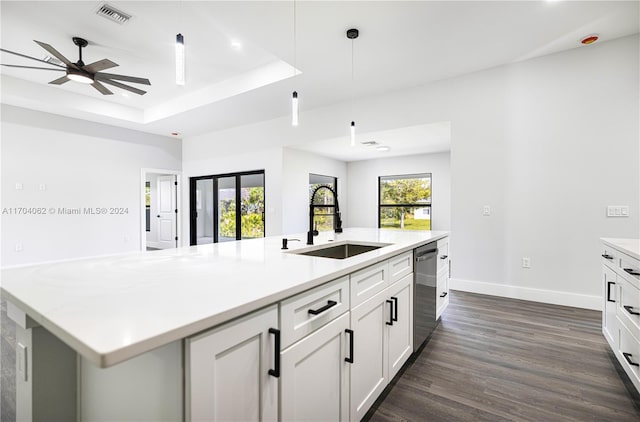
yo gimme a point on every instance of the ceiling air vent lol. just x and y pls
(113, 14)
(369, 143)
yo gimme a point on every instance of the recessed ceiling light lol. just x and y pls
(589, 39)
(236, 45)
(383, 148)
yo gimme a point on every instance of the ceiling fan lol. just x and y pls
(83, 73)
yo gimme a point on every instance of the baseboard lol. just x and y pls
(527, 293)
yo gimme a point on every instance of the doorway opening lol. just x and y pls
(160, 204)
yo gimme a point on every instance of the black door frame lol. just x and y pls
(193, 235)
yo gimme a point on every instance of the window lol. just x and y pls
(405, 202)
(227, 207)
(323, 216)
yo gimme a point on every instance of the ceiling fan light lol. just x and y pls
(79, 76)
(180, 63)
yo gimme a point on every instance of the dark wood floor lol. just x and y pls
(496, 359)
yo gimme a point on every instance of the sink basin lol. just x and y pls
(345, 250)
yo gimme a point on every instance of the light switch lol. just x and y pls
(18, 186)
(618, 211)
(18, 247)
(486, 210)
(625, 211)
(43, 186)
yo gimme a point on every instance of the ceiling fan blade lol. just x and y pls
(31, 67)
(55, 53)
(100, 65)
(103, 76)
(32, 58)
(103, 89)
(60, 81)
(123, 86)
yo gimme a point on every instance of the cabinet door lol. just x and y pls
(369, 371)
(442, 292)
(609, 328)
(315, 377)
(400, 340)
(228, 371)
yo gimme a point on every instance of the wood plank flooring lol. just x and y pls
(496, 359)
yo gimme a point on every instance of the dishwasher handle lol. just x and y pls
(424, 255)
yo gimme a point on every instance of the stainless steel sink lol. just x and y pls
(345, 250)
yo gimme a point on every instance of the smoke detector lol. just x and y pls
(109, 12)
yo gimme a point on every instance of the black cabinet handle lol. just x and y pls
(390, 302)
(330, 304)
(444, 256)
(350, 358)
(609, 283)
(632, 271)
(630, 310)
(627, 357)
(444, 294)
(607, 256)
(395, 308)
(275, 372)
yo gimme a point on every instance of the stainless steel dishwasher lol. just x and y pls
(424, 293)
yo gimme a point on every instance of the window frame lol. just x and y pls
(406, 205)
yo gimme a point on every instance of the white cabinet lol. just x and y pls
(315, 375)
(383, 341)
(621, 308)
(228, 370)
(442, 278)
(609, 322)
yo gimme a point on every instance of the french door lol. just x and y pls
(227, 207)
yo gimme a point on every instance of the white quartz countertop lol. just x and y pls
(629, 246)
(110, 309)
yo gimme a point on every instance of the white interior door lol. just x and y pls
(166, 212)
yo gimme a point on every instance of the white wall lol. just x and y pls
(547, 143)
(362, 176)
(82, 164)
(295, 187)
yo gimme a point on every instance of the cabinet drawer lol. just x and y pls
(628, 353)
(443, 253)
(630, 269)
(609, 256)
(306, 312)
(628, 310)
(369, 281)
(442, 292)
(400, 266)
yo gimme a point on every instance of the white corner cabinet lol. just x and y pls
(324, 354)
(621, 302)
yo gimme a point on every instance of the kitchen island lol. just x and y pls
(133, 311)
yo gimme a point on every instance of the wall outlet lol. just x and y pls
(43, 186)
(526, 262)
(486, 210)
(18, 186)
(18, 247)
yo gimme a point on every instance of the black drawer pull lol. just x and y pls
(632, 271)
(390, 322)
(275, 372)
(609, 283)
(444, 256)
(630, 310)
(330, 304)
(627, 357)
(395, 308)
(350, 358)
(444, 294)
(607, 256)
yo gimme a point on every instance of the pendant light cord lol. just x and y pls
(295, 50)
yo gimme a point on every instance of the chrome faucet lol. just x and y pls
(336, 214)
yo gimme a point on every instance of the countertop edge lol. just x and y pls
(619, 244)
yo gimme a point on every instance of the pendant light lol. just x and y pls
(352, 34)
(180, 65)
(180, 62)
(294, 96)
